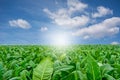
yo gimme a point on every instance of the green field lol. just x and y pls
(77, 62)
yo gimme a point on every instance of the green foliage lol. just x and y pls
(92, 69)
(7, 75)
(44, 70)
(75, 62)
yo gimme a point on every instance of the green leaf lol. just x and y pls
(105, 69)
(44, 70)
(75, 75)
(31, 63)
(64, 68)
(7, 75)
(24, 74)
(57, 63)
(92, 69)
(108, 77)
(117, 66)
(15, 78)
(62, 71)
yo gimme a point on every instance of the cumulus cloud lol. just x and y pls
(63, 17)
(115, 43)
(102, 11)
(42, 29)
(67, 17)
(108, 27)
(75, 5)
(20, 23)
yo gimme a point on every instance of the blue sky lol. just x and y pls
(49, 21)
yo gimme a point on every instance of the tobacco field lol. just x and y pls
(75, 62)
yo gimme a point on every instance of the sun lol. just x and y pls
(60, 39)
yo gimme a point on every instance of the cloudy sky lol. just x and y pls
(47, 21)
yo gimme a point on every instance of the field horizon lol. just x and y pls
(59, 40)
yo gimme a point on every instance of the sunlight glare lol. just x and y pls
(60, 40)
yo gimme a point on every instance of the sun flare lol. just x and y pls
(60, 40)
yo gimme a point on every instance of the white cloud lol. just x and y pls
(108, 27)
(75, 5)
(63, 17)
(115, 43)
(42, 29)
(102, 11)
(67, 17)
(20, 23)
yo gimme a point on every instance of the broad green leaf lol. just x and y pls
(44, 70)
(105, 69)
(92, 69)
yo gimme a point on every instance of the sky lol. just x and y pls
(59, 21)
